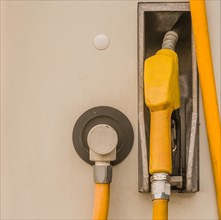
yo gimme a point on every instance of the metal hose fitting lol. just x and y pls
(170, 39)
(160, 186)
(102, 173)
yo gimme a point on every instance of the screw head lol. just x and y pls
(101, 42)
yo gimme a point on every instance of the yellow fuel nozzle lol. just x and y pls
(162, 96)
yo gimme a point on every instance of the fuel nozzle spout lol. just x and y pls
(180, 29)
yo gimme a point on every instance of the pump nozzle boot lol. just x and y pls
(162, 96)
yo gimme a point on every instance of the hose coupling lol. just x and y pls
(160, 186)
(170, 39)
(102, 173)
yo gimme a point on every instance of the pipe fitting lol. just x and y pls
(170, 39)
(102, 173)
(160, 186)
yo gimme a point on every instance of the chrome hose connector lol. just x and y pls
(170, 40)
(102, 173)
(160, 186)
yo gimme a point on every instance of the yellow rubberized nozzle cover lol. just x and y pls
(162, 96)
(161, 83)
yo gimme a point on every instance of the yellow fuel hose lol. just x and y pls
(208, 89)
(101, 201)
(160, 209)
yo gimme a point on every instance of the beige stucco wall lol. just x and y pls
(50, 74)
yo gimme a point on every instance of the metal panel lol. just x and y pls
(154, 20)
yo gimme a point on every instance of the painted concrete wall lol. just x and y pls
(50, 74)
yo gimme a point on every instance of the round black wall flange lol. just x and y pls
(103, 115)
